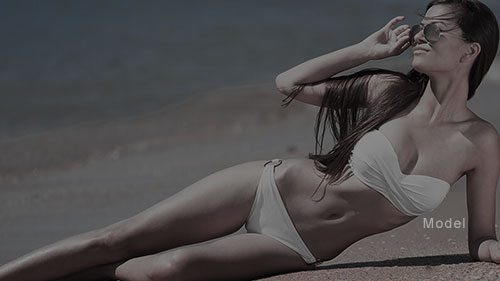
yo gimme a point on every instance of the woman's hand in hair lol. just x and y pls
(387, 42)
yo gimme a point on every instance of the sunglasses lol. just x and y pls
(432, 33)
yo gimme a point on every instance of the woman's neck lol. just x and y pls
(444, 101)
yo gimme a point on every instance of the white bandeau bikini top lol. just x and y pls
(375, 162)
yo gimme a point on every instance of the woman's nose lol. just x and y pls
(419, 37)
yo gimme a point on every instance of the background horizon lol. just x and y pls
(71, 62)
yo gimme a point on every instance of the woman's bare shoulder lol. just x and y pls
(479, 130)
(483, 135)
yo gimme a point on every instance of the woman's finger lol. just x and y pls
(395, 20)
(405, 46)
(402, 45)
(401, 29)
(402, 34)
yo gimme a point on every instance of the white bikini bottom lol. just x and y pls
(269, 216)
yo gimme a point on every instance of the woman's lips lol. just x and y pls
(418, 51)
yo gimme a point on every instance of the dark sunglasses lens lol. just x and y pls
(413, 31)
(432, 32)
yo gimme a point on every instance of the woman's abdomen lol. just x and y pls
(335, 216)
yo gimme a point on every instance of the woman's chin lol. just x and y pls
(417, 65)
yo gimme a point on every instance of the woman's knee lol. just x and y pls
(170, 266)
(159, 267)
(135, 269)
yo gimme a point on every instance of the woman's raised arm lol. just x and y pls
(320, 68)
(383, 43)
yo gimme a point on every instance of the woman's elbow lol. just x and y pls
(282, 84)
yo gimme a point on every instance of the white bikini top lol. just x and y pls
(375, 162)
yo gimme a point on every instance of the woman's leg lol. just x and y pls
(214, 206)
(99, 273)
(244, 256)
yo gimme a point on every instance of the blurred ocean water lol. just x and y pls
(68, 62)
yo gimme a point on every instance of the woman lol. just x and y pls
(402, 141)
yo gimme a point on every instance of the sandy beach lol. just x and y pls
(73, 179)
(108, 107)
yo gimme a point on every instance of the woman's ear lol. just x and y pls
(472, 50)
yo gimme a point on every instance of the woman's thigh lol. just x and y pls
(214, 206)
(239, 257)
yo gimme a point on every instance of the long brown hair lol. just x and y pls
(345, 107)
